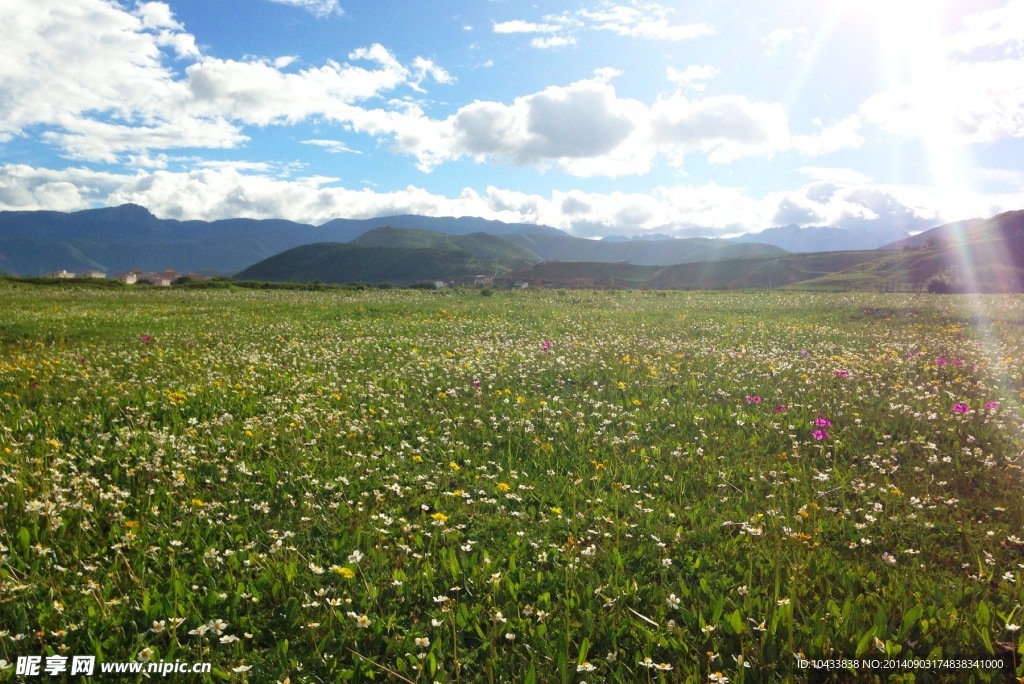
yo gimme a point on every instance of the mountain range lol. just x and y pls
(972, 255)
(976, 256)
(116, 239)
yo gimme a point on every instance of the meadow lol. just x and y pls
(547, 486)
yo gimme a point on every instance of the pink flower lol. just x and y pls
(961, 407)
(820, 434)
(958, 362)
(753, 399)
(146, 339)
(822, 422)
(991, 405)
(940, 362)
(780, 408)
(547, 345)
(842, 373)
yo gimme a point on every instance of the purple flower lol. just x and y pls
(820, 434)
(961, 407)
(842, 373)
(780, 408)
(940, 362)
(958, 362)
(547, 345)
(991, 405)
(146, 339)
(822, 422)
(475, 384)
(804, 353)
(753, 399)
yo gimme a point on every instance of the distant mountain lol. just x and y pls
(116, 239)
(120, 238)
(793, 238)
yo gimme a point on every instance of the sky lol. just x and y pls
(617, 117)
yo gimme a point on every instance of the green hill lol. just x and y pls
(332, 262)
(985, 257)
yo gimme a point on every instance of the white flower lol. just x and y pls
(423, 642)
(672, 601)
(355, 557)
(241, 668)
(585, 666)
(363, 622)
(1012, 628)
(145, 655)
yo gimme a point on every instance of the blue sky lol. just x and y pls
(601, 118)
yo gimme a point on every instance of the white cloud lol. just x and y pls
(692, 77)
(1001, 28)
(973, 92)
(108, 94)
(520, 26)
(332, 146)
(642, 20)
(242, 189)
(320, 8)
(779, 37)
(971, 102)
(551, 42)
(725, 127)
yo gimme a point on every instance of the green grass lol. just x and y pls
(437, 486)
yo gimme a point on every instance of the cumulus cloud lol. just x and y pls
(973, 102)
(975, 94)
(110, 95)
(726, 127)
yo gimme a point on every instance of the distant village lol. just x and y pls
(135, 276)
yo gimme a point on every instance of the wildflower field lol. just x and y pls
(529, 487)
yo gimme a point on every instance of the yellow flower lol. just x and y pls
(453, 465)
(504, 486)
(347, 573)
(440, 517)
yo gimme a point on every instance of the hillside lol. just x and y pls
(476, 244)
(643, 252)
(332, 262)
(756, 271)
(939, 234)
(986, 257)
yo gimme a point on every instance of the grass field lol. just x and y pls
(528, 487)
